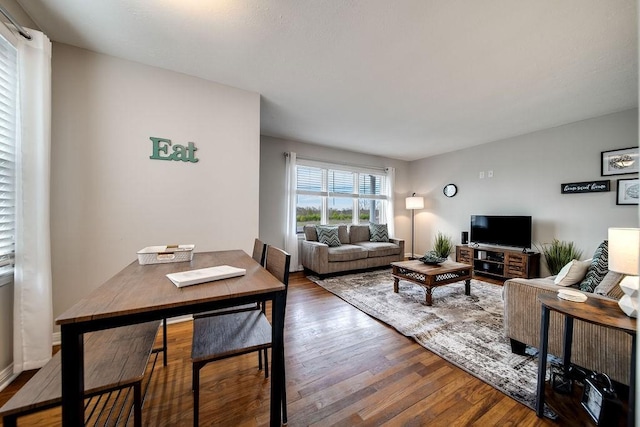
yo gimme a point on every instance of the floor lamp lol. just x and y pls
(413, 203)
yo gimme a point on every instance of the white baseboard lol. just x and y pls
(6, 377)
(56, 335)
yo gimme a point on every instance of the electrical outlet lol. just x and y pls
(481, 174)
(489, 174)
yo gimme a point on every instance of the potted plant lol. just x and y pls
(442, 245)
(558, 253)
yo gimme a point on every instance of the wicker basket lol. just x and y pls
(165, 254)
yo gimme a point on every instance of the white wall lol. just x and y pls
(528, 171)
(110, 200)
(273, 190)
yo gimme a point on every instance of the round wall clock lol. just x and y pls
(450, 190)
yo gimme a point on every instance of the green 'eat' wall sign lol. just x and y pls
(179, 152)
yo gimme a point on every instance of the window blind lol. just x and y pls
(8, 137)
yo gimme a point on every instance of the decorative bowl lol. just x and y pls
(432, 259)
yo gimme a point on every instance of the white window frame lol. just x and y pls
(325, 194)
(9, 128)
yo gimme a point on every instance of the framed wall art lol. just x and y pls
(620, 162)
(628, 190)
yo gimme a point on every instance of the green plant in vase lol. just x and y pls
(558, 253)
(442, 245)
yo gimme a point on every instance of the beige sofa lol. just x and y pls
(595, 348)
(356, 251)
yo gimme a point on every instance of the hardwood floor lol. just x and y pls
(343, 368)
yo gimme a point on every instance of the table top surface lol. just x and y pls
(594, 310)
(145, 288)
(420, 267)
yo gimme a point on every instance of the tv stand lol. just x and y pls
(499, 263)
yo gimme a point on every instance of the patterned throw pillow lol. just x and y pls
(328, 235)
(378, 232)
(598, 268)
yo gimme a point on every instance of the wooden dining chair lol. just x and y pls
(233, 334)
(259, 251)
(259, 255)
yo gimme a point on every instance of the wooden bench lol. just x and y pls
(115, 359)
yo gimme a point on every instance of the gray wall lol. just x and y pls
(527, 173)
(109, 199)
(273, 190)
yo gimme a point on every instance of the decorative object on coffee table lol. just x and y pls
(414, 202)
(442, 245)
(623, 258)
(432, 258)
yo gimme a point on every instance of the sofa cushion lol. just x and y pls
(572, 273)
(378, 249)
(346, 253)
(310, 233)
(343, 234)
(359, 233)
(378, 232)
(598, 268)
(609, 286)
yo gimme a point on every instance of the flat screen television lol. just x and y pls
(500, 230)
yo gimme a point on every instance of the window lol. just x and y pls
(333, 194)
(8, 136)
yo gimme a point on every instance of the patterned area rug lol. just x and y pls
(465, 330)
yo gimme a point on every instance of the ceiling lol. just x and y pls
(402, 79)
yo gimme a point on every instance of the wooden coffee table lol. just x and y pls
(431, 276)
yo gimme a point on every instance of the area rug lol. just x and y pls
(465, 330)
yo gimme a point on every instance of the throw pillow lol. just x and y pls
(598, 268)
(328, 235)
(572, 273)
(609, 285)
(378, 232)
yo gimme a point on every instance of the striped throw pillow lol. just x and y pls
(378, 233)
(598, 269)
(328, 235)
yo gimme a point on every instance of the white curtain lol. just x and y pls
(389, 214)
(291, 233)
(33, 313)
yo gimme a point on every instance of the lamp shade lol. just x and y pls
(414, 202)
(624, 244)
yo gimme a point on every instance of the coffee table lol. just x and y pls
(431, 276)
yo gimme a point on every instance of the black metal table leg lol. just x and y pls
(566, 347)
(277, 355)
(72, 370)
(631, 418)
(542, 361)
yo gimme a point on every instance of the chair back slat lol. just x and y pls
(259, 251)
(278, 264)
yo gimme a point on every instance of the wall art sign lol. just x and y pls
(627, 192)
(620, 162)
(160, 150)
(585, 187)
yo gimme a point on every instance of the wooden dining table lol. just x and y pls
(141, 293)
